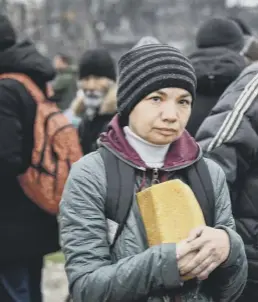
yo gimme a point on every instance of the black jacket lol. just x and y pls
(25, 230)
(89, 131)
(230, 137)
(216, 68)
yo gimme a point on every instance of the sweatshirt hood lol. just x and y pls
(216, 68)
(182, 152)
(24, 58)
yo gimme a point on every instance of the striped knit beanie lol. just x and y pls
(148, 68)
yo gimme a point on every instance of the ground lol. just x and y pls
(54, 279)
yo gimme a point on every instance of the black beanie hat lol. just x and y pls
(246, 29)
(7, 33)
(97, 62)
(148, 68)
(218, 32)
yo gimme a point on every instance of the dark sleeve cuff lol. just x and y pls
(236, 247)
(169, 270)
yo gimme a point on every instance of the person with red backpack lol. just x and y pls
(37, 148)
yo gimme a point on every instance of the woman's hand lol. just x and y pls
(212, 247)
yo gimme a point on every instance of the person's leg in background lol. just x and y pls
(14, 284)
(35, 274)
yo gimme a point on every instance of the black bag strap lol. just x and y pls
(201, 184)
(120, 189)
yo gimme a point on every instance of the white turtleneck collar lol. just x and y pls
(152, 155)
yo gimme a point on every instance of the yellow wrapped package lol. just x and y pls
(169, 211)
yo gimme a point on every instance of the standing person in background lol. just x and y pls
(250, 49)
(65, 83)
(27, 232)
(217, 62)
(96, 100)
(229, 136)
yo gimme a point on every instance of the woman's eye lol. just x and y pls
(185, 102)
(156, 99)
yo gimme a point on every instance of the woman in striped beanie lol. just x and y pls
(104, 239)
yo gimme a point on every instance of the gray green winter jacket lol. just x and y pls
(65, 87)
(131, 271)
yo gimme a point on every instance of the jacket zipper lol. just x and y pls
(196, 294)
(166, 299)
(155, 177)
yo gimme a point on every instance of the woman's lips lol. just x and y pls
(166, 131)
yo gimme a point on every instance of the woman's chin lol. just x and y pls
(163, 140)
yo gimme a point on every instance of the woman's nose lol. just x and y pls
(169, 113)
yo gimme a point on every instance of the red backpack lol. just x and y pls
(56, 148)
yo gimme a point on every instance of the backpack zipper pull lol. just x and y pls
(155, 177)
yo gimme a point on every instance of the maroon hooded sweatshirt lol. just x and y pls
(182, 153)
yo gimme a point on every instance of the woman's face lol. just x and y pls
(161, 117)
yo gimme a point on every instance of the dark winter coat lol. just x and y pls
(25, 230)
(89, 130)
(216, 68)
(230, 137)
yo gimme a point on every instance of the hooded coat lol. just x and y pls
(65, 87)
(216, 68)
(131, 271)
(26, 231)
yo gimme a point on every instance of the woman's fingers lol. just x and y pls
(185, 247)
(205, 273)
(201, 260)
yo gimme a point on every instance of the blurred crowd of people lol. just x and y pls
(158, 111)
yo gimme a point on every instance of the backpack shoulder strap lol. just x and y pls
(200, 181)
(27, 82)
(120, 189)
